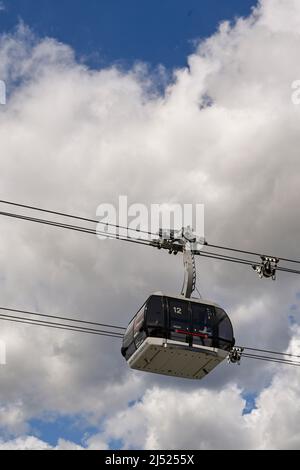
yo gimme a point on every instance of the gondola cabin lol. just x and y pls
(173, 335)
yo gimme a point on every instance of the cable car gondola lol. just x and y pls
(178, 336)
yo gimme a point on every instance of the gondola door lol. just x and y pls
(179, 320)
(202, 324)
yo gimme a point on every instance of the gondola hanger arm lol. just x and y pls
(186, 242)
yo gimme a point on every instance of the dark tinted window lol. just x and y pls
(225, 332)
(202, 318)
(179, 314)
(128, 346)
(128, 337)
(155, 315)
(139, 327)
(139, 320)
(202, 324)
(179, 317)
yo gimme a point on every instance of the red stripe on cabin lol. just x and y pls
(202, 335)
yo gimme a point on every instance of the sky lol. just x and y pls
(95, 112)
(104, 32)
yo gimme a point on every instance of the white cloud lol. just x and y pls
(32, 443)
(173, 419)
(72, 138)
(167, 418)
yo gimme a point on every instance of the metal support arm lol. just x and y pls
(189, 282)
(186, 242)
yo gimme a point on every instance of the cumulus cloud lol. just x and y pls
(224, 133)
(204, 419)
(170, 418)
(32, 443)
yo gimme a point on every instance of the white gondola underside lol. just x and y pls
(175, 358)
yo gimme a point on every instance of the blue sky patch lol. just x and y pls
(109, 31)
(68, 428)
(250, 405)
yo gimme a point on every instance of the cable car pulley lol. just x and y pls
(267, 267)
